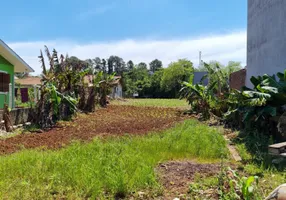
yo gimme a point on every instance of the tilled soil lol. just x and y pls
(112, 121)
(176, 177)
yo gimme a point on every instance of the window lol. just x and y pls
(4, 82)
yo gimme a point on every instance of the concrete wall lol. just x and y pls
(266, 37)
(18, 115)
(117, 92)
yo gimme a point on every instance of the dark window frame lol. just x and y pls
(4, 82)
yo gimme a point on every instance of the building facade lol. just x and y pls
(10, 62)
(266, 38)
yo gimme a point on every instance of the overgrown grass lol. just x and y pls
(105, 168)
(152, 102)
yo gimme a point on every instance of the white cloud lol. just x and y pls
(223, 48)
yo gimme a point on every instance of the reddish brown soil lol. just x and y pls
(112, 121)
(176, 177)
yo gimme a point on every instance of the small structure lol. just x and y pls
(23, 84)
(200, 78)
(116, 91)
(10, 62)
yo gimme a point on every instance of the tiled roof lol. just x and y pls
(29, 81)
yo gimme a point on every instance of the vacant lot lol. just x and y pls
(115, 121)
(106, 168)
(153, 102)
(128, 151)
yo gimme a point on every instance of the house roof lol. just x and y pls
(19, 64)
(29, 81)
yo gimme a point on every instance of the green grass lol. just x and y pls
(105, 168)
(152, 102)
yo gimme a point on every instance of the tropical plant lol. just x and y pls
(107, 81)
(233, 186)
(60, 89)
(200, 97)
(258, 105)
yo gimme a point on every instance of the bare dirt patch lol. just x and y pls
(112, 121)
(176, 177)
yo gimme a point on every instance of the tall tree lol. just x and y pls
(232, 66)
(97, 64)
(175, 74)
(89, 62)
(73, 60)
(110, 64)
(130, 65)
(155, 65)
(137, 81)
(116, 64)
(103, 65)
(142, 65)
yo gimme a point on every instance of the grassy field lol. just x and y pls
(105, 168)
(152, 102)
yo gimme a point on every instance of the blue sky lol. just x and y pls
(108, 24)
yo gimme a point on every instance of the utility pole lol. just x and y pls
(200, 59)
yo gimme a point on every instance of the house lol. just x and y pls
(10, 63)
(200, 77)
(23, 84)
(116, 90)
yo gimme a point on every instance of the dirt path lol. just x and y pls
(176, 177)
(112, 121)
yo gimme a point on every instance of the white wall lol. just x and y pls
(118, 91)
(266, 37)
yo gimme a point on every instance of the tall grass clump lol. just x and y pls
(105, 168)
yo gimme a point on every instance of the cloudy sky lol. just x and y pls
(140, 30)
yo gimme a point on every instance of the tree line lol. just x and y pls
(151, 80)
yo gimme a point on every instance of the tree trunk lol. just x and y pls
(7, 120)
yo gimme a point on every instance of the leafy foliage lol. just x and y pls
(60, 88)
(155, 65)
(200, 97)
(63, 89)
(210, 99)
(232, 186)
(258, 105)
(175, 75)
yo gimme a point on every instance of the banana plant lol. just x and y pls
(200, 97)
(265, 100)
